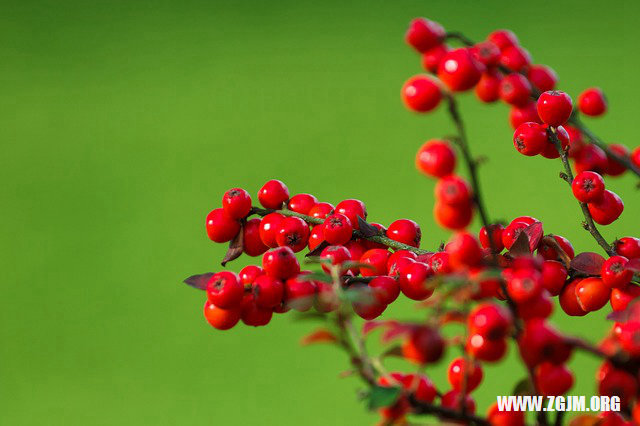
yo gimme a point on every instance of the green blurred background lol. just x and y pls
(124, 122)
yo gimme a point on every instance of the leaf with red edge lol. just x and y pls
(235, 248)
(199, 281)
(520, 246)
(394, 331)
(367, 229)
(634, 265)
(369, 326)
(321, 335)
(534, 232)
(587, 263)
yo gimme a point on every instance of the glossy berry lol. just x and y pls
(488, 88)
(299, 294)
(490, 320)
(615, 273)
(321, 210)
(504, 418)
(551, 150)
(337, 229)
(588, 186)
(515, 58)
(515, 89)
(464, 250)
(249, 273)
(432, 57)
(495, 241)
(280, 263)
(366, 305)
(424, 34)
(614, 167)
(302, 203)
(222, 319)
(591, 158)
(436, 158)
(630, 337)
(464, 375)
(453, 190)
(592, 294)
(542, 77)
(530, 138)
(454, 217)
(485, 349)
(267, 291)
(554, 107)
(454, 400)
(512, 232)
(236, 203)
(540, 306)
(440, 264)
(592, 102)
(554, 275)
(377, 260)
(412, 279)
(337, 254)
(621, 297)
(251, 242)
(549, 252)
(353, 209)
(385, 289)
(316, 236)
(459, 70)
(421, 93)
(553, 379)
(252, 314)
(423, 346)
(293, 233)
(503, 39)
(486, 52)
(326, 298)
(224, 290)
(524, 285)
(273, 194)
(524, 114)
(269, 227)
(607, 209)
(569, 299)
(221, 227)
(356, 250)
(420, 386)
(628, 247)
(405, 231)
(635, 157)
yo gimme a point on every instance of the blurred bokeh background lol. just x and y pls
(122, 124)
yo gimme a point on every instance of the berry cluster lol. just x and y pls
(500, 284)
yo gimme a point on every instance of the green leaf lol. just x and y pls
(353, 264)
(523, 387)
(315, 276)
(382, 397)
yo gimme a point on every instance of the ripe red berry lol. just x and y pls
(515, 58)
(515, 89)
(436, 158)
(432, 57)
(524, 285)
(269, 227)
(591, 157)
(588, 186)
(554, 275)
(236, 203)
(553, 379)
(464, 250)
(454, 217)
(540, 342)
(551, 150)
(512, 232)
(439, 263)
(405, 231)
(321, 210)
(530, 138)
(618, 382)
(453, 190)
(607, 209)
(366, 305)
(488, 88)
(337, 229)
(635, 157)
(424, 34)
(614, 167)
(421, 93)
(542, 77)
(484, 349)
(254, 315)
(503, 39)
(377, 259)
(302, 203)
(486, 52)
(249, 273)
(251, 242)
(273, 194)
(549, 252)
(412, 279)
(630, 337)
(385, 289)
(504, 418)
(569, 299)
(454, 400)
(353, 209)
(538, 307)
(524, 114)
(326, 298)
(628, 247)
(224, 290)
(293, 233)
(464, 375)
(316, 236)
(222, 319)
(420, 386)
(280, 263)
(337, 254)
(615, 273)
(592, 294)
(356, 250)
(592, 102)
(459, 70)
(267, 291)
(221, 227)
(554, 107)
(490, 320)
(423, 346)
(299, 294)
(621, 297)
(495, 240)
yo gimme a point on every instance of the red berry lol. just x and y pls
(490, 320)
(273, 194)
(398, 259)
(554, 275)
(337, 254)
(222, 319)
(569, 300)
(542, 77)
(269, 227)
(254, 315)
(512, 232)
(591, 157)
(224, 290)
(588, 186)
(576, 141)
(316, 237)
(539, 342)
(515, 58)
(464, 375)
(385, 289)
(549, 252)
(464, 250)
(353, 209)
(495, 241)
(530, 138)
(486, 52)
(424, 34)
(421, 93)
(425, 345)
(251, 242)
(621, 297)
(321, 210)
(236, 203)
(524, 114)
(538, 307)
(635, 157)
(337, 229)
(432, 57)
(454, 400)
(487, 89)
(366, 305)
(504, 418)
(436, 158)
(607, 209)
(293, 233)
(405, 231)
(551, 150)
(529, 220)
(453, 190)
(302, 203)
(524, 285)
(615, 273)
(485, 349)
(377, 259)
(630, 337)
(628, 247)
(503, 39)
(439, 263)
(515, 89)
(592, 294)
(267, 291)
(455, 217)
(459, 70)
(553, 379)
(326, 298)
(413, 281)
(221, 227)
(420, 386)
(249, 273)
(554, 107)
(619, 383)
(613, 167)
(299, 293)
(592, 102)
(280, 263)
(356, 250)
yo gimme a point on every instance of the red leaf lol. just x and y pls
(199, 281)
(634, 265)
(394, 331)
(235, 248)
(585, 420)
(321, 335)
(632, 311)
(534, 232)
(587, 263)
(520, 246)
(369, 326)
